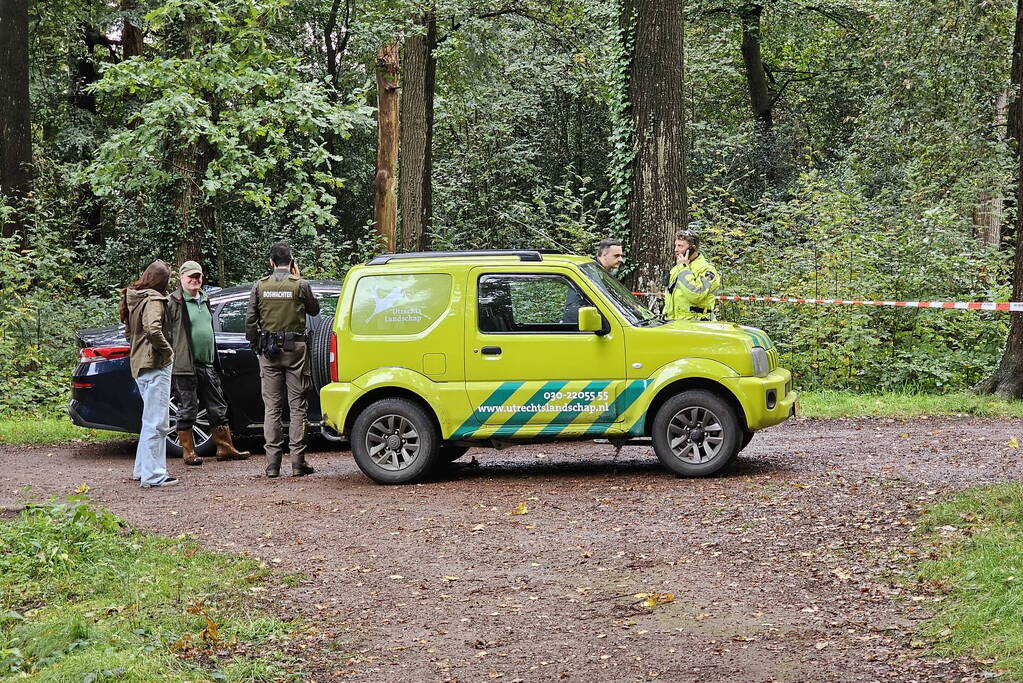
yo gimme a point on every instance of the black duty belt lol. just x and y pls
(288, 336)
(697, 309)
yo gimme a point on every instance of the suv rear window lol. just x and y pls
(399, 304)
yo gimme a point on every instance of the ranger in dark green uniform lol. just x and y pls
(275, 326)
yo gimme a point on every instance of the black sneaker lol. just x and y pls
(273, 474)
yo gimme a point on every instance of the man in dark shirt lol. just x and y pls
(196, 374)
(275, 325)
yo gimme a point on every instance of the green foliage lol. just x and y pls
(622, 136)
(29, 428)
(976, 550)
(89, 599)
(827, 240)
(888, 137)
(832, 404)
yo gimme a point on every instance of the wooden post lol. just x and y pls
(385, 202)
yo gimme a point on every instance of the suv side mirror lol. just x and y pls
(590, 320)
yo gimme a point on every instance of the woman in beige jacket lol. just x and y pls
(143, 312)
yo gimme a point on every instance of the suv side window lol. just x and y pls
(529, 303)
(232, 316)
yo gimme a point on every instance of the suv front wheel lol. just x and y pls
(394, 441)
(696, 433)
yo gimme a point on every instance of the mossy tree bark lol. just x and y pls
(657, 207)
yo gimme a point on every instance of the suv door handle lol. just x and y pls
(491, 350)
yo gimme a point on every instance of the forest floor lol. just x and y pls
(796, 565)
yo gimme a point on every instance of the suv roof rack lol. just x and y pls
(523, 255)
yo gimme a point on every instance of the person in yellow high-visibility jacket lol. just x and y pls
(691, 291)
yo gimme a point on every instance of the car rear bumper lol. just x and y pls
(80, 416)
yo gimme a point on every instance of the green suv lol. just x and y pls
(435, 352)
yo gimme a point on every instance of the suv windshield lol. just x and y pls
(635, 312)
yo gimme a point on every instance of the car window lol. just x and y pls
(232, 316)
(328, 302)
(635, 312)
(529, 303)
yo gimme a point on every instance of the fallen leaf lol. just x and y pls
(82, 489)
(520, 509)
(654, 599)
(1013, 442)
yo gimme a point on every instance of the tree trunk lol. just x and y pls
(990, 207)
(756, 75)
(1007, 379)
(657, 203)
(196, 216)
(415, 184)
(385, 204)
(15, 114)
(131, 35)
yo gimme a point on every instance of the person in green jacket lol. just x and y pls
(196, 376)
(693, 284)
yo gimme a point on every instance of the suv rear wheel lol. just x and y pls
(394, 441)
(696, 433)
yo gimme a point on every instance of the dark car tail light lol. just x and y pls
(333, 357)
(91, 354)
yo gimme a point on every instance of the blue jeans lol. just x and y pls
(151, 454)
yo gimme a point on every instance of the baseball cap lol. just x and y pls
(190, 268)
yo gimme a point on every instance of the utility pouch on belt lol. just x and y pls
(267, 345)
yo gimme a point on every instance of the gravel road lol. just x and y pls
(787, 568)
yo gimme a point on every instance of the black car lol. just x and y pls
(104, 394)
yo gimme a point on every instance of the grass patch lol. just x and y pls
(976, 569)
(87, 599)
(27, 429)
(850, 404)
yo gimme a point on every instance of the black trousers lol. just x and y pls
(189, 391)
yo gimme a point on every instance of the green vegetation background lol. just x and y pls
(886, 147)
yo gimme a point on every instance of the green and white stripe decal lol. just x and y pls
(498, 398)
(514, 423)
(759, 337)
(502, 415)
(633, 390)
(565, 417)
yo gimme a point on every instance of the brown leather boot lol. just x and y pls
(225, 446)
(188, 453)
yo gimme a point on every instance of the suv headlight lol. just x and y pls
(760, 364)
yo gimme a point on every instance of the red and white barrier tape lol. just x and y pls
(1014, 306)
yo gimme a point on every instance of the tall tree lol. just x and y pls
(761, 99)
(1007, 379)
(657, 202)
(415, 152)
(385, 203)
(15, 111)
(132, 35)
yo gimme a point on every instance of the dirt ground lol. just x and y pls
(785, 569)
